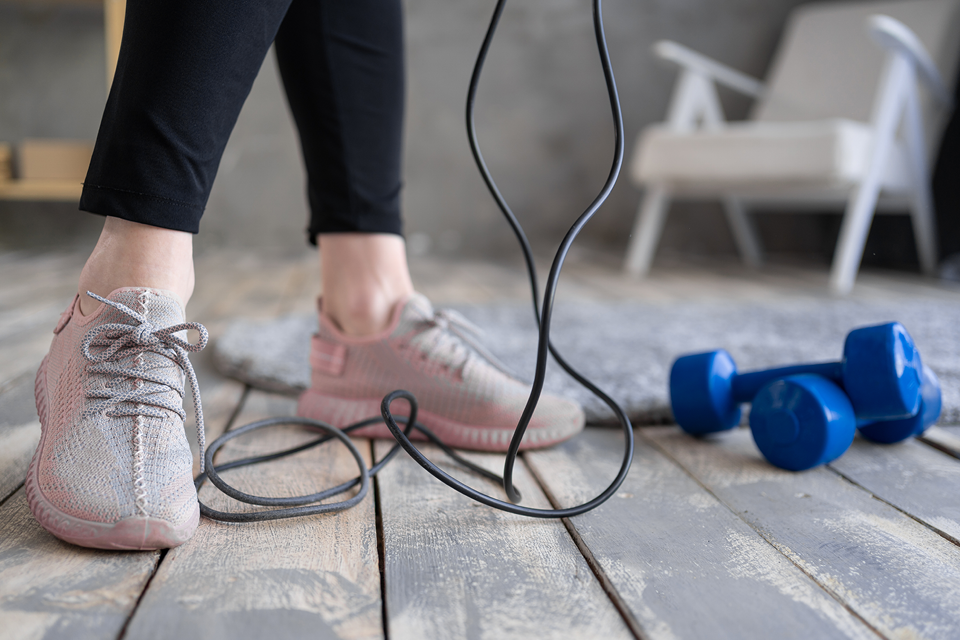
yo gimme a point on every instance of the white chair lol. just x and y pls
(840, 122)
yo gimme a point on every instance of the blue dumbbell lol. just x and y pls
(880, 373)
(891, 431)
(802, 421)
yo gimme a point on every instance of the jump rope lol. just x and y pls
(306, 505)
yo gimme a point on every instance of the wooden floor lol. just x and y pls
(704, 540)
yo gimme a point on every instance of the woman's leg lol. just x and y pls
(138, 255)
(376, 335)
(343, 71)
(363, 276)
(184, 71)
(113, 468)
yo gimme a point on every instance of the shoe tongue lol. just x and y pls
(416, 310)
(161, 310)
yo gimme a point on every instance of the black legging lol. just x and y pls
(184, 71)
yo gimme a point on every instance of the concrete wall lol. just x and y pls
(543, 116)
(542, 110)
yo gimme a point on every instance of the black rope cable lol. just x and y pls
(295, 504)
(304, 505)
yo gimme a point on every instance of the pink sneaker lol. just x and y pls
(113, 469)
(465, 397)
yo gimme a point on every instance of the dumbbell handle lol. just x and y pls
(746, 386)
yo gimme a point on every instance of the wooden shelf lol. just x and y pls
(50, 190)
(69, 190)
(55, 3)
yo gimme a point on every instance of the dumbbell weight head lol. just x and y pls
(882, 372)
(891, 431)
(701, 395)
(802, 421)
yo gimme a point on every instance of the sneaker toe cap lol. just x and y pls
(556, 419)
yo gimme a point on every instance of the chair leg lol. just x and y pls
(922, 216)
(744, 234)
(921, 205)
(896, 83)
(646, 230)
(853, 236)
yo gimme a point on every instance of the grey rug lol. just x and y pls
(627, 348)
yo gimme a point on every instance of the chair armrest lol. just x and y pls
(896, 37)
(699, 63)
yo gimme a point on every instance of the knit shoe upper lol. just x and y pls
(113, 468)
(464, 395)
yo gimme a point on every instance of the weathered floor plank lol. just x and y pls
(35, 289)
(946, 439)
(50, 589)
(219, 396)
(227, 287)
(30, 278)
(23, 352)
(316, 576)
(873, 558)
(233, 285)
(684, 565)
(912, 476)
(19, 433)
(41, 313)
(456, 569)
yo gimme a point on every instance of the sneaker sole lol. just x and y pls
(137, 533)
(341, 412)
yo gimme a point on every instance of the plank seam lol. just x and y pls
(3, 500)
(381, 548)
(163, 552)
(237, 409)
(143, 592)
(760, 533)
(940, 447)
(943, 534)
(296, 279)
(605, 583)
(18, 379)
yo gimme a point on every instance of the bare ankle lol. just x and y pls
(364, 276)
(360, 315)
(130, 254)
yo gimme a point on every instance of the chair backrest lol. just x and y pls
(827, 66)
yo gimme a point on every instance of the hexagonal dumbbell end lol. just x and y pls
(891, 431)
(701, 392)
(802, 421)
(882, 372)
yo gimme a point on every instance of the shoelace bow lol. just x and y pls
(122, 340)
(453, 325)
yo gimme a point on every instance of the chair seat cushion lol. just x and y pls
(828, 152)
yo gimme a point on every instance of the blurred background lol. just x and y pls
(542, 117)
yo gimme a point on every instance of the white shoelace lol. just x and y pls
(125, 340)
(456, 333)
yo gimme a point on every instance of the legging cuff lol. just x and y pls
(366, 224)
(144, 208)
